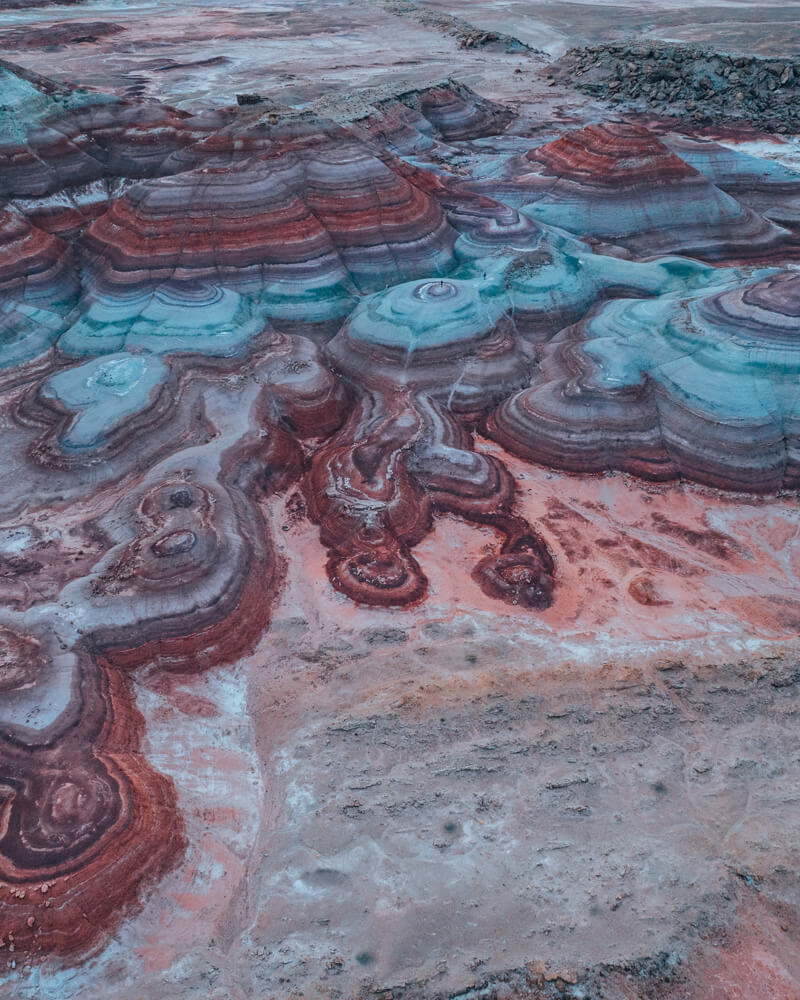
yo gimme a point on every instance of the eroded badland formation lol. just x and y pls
(399, 565)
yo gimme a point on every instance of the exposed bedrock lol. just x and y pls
(193, 576)
(469, 36)
(295, 237)
(79, 419)
(193, 588)
(699, 84)
(457, 113)
(702, 386)
(547, 280)
(207, 321)
(428, 356)
(85, 819)
(420, 120)
(65, 153)
(21, 659)
(38, 285)
(59, 34)
(33, 264)
(620, 183)
(769, 187)
(187, 581)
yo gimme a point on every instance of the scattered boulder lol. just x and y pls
(710, 87)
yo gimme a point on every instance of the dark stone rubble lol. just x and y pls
(708, 87)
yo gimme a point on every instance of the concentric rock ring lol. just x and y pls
(703, 387)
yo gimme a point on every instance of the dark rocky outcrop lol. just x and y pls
(707, 86)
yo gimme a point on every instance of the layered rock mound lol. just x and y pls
(769, 187)
(702, 387)
(428, 355)
(202, 314)
(620, 183)
(292, 228)
(65, 154)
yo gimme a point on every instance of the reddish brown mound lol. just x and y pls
(406, 451)
(85, 821)
(612, 155)
(620, 183)
(33, 264)
(334, 215)
(63, 165)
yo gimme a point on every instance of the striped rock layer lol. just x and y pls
(200, 312)
(702, 387)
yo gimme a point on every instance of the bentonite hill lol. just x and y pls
(399, 470)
